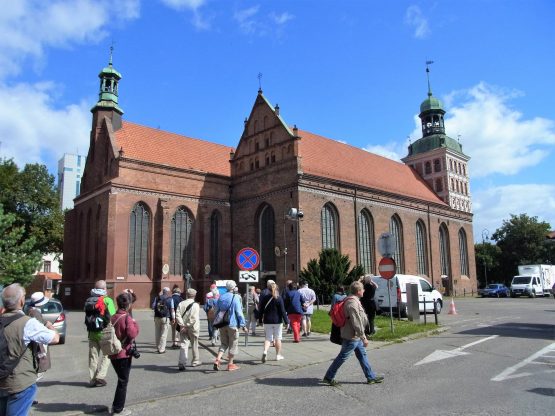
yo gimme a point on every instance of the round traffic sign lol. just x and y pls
(387, 267)
(247, 259)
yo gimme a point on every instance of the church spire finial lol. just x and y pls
(111, 53)
(428, 63)
(260, 82)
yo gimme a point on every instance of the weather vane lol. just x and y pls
(428, 63)
(260, 81)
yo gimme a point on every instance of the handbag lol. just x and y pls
(223, 317)
(335, 335)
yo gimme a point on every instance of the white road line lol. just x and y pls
(506, 374)
(442, 354)
(477, 342)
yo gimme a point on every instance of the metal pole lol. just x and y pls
(247, 313)
(284, 249)
(390, 307)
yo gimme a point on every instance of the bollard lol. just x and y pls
(464, 292)
(435, 311)
(425, 321)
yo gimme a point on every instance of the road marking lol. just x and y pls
(508, 373)
(438, 355)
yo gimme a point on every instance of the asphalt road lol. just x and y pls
(496, 357)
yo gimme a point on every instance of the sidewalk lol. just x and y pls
(64, 391)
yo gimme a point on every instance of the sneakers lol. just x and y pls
(196, 363)
(375, 380)
(331, 382)
(264, 357)
(124, 412)
(216, 365)
(213, 341)
(100, 382)
(181, 367)
(279, 357)
(232, 367)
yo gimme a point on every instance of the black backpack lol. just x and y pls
(94, 320)
(162, 310)
(7, 363)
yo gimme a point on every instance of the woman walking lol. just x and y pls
(272, 314)
(294, 309)
(126, 329)
(369, 304)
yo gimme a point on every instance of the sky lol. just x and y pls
(353, 71)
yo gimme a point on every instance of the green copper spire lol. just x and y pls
(108, 94)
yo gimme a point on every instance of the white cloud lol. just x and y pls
(415, 18)
(184, 4)
(493, 205)
(392, 151)
(282, 18)
(31, 129)
(246, 19)
(27, 27)
(496, 136)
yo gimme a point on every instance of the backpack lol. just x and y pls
(162, 309)
(337, 313)
(7, 364)
(96, 314)
(109, 342)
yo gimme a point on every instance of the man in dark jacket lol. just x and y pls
(164, 316)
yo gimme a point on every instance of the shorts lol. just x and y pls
(229, 338)
(273, 332)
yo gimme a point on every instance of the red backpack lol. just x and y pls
(337, 313)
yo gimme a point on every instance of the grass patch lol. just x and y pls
(321, 322)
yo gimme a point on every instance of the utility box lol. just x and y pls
(413, 311)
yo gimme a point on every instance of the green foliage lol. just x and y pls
(18, 257)
(522, 240)
(488, 257)
(32, 197)
(329, 271)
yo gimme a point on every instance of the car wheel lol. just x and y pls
(439, 306)
(533, 294)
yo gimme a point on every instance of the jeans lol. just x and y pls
(347, 348)
(18, 404)
(122, 366)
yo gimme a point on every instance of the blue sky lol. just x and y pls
(349, 70)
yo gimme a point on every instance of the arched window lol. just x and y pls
(396, 230)
(421, 249)
(366, 241)
(463, 252)
(437, 165)
(90, 238)
(139, 232)
(428, 168)
(439, 185)
(266, 227)
(97, 240)
(181, 242)
(215, 221)
(444, 254)
(330, 228)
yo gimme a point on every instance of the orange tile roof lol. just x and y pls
(335, 160)
(50, 275)
(170, 149)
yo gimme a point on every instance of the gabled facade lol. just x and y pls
(151, 198)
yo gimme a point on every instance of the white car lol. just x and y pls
(427, 295)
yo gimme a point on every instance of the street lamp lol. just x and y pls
(485, 236)
(295, 214)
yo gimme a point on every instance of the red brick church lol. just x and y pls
(156, 205)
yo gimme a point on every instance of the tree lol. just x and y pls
(31, 195)
(487, 261)
(330, 271)
(18, 257)
(522, 240)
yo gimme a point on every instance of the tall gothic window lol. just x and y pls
(421, 249)
(444, 256)
(396, 230)
(181, 242)
(463, 252)
(139, 232)
(215, 223)
(267, 239)
(330, 228)
(366, 241)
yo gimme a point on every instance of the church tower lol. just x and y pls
(107, 104)
(438, 158)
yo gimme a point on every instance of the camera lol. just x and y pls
(133, 351)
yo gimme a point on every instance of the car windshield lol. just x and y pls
(521, 280)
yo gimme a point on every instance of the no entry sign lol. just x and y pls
(247, 259)
(387, 267)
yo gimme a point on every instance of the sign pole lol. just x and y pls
(387, 269)
(247, 313)
(390, 307)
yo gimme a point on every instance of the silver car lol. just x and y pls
(53, 311)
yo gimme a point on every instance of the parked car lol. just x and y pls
(53, 311)
(495, 290)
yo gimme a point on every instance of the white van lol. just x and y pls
(398, 293)
(527, 286)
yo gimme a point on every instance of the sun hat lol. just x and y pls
(38, 299)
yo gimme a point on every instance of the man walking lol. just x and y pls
(188, 318)
(353, 338)
(18, 386)
(176, 296)
(164, 316)
(308, 298)
(98, 310)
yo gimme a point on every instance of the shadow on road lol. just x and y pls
(516, 330)
(290, 382)
(71, 407)
(544, 391)
(63, 383)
